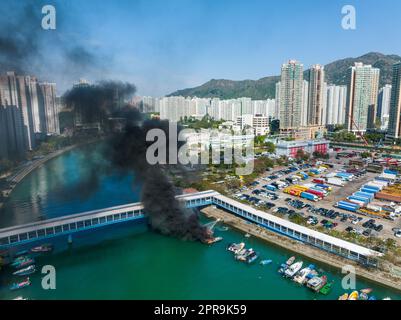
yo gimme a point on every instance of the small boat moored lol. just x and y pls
(326, 289)
(293, 269)
(316, 283)
(290, 261)
(25, 271)
(265, 262)
(20, 285)
(42, 248)
(343, 297)
(354, 295)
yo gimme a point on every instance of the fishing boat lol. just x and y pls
(316, 283)
(20, 263)
(20, 298)
(301, 277)
(265, 262)
(236, 247)
(252, 257)
(326, 289)
(372, 298)
(367, 290)
(343, 297)
(293, 269)
(244, 254)
(42, 248)
(354, 295)
(20, 285)
(26, 271)
(290, 261)
(282, 268)
(247, 235)
(363, 296)
(213, 240)
(387, 298)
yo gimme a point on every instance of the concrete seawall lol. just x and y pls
(299, 248)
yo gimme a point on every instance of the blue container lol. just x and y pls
(364, 200)
(324, 186)
(364, 194)
(349, 204)
(308, 196)
(368, 191)
(377, 189)
(390, 172)
(348, 208)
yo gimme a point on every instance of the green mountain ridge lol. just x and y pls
(264, 88)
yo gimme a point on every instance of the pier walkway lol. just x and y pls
(36, 231)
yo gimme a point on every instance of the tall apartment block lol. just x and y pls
(28, 110)
(361, 97)
(395, 104)
(316, 95)
(291, 89)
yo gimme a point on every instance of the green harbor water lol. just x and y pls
(131, 262)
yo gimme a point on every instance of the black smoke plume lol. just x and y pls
(25, 47)
(126, 150)
(166, 214)
(96, 103)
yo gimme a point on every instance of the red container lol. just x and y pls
(320, 181)
(316, 193)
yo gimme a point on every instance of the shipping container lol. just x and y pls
(372, 187)
(317, 193)
(368, 191)
(336, 182)
(324, 186)
(347, 203)
(363, 199)
(364, 194)
(309, 196)
(387, 196)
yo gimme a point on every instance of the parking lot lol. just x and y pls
(321, 213)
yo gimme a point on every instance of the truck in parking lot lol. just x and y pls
(336, 182)
(309, 196)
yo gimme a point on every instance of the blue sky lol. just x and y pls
(165, 45)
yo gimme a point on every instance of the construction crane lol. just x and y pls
(357, 127)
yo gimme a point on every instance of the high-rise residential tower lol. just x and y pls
(305, 96)
(336, 98)
(383, 106)
(316, 95)
(395, 104)
(291, 89)
(361, 97)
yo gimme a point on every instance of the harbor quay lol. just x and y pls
(310, 252)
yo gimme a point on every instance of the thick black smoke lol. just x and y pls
(96, 103)
(126, 150)
(166, 214)
(25, 47)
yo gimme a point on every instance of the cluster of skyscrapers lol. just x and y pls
(29, 111)
(308, 105)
